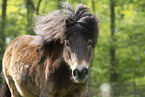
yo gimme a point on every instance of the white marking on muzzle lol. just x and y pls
(78, 66)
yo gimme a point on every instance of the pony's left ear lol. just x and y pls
(66, 21)
(69, 21)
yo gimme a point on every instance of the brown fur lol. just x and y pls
(38, 66)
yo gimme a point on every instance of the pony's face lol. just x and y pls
(78, 52)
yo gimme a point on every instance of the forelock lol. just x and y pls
(82, 21)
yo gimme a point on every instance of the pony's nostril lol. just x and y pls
(85, 71)
(75, 73)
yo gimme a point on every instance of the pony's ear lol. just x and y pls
(66, 21)
(69, 21)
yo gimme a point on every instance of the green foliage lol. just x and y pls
(129, 41)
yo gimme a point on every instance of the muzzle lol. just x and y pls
(80, 72)
(80, 76)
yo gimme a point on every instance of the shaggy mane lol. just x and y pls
(61, 24)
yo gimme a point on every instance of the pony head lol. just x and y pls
(77, 31)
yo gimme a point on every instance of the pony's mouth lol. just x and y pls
(80, 80)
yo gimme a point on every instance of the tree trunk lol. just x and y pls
(113, 73)
(38, 6)
(30, 11)
(93, 6)
(2, 32)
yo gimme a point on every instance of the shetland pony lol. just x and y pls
(55, 62)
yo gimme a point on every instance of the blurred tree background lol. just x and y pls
(119, 57)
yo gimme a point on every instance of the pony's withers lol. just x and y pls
(54, 63)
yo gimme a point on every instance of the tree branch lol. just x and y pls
(38, 6)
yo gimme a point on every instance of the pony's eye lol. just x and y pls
(67, 43)
(90, 43)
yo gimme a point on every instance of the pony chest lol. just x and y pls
(61, 84)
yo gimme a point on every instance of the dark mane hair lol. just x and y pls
(62, 23)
